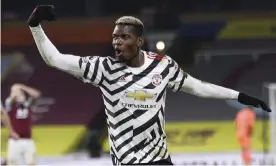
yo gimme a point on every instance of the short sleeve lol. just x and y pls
(91, 68)
(8, 104)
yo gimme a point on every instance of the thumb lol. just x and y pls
(265, 107)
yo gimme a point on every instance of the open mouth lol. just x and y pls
(118, 52)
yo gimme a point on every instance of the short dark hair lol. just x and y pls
(132, 21)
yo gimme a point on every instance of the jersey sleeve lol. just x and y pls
(30, 101)
(182, 81)
(178, 76)
(91, 69)
(88, 69)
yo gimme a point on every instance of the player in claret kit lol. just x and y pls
(18, 105)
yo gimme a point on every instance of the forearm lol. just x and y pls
(31, 91)
(52, 56)
(12, 97)
(207, 90)
(6, 119)
(45, 47)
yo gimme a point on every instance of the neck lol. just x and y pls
(138, 60)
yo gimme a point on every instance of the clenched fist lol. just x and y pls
(41, 13)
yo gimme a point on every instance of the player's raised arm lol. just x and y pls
(184, 82)
(52, 57)
(49, 53)
(81, 67)
(34, 93)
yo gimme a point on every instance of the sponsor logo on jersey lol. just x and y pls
(140, 95)
(139, 106)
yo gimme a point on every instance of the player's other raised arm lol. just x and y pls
(81, 67)
(181, 81)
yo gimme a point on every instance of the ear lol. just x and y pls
(140, 41)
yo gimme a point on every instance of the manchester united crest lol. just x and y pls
(156, 79)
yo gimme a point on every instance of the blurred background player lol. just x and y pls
(245, 120)
(18, 104)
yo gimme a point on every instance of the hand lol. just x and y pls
(16, 87)
(249, 100)
(14, 135)
(40, 13)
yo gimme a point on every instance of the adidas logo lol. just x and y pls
(122, 79)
